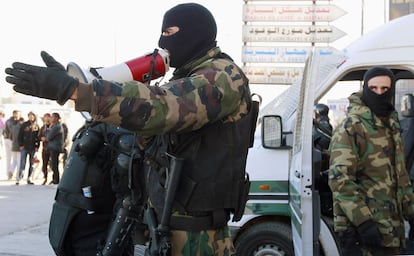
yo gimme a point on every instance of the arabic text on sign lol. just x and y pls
(263, 54)
(266, 33)
(291, 12)
(273, 75)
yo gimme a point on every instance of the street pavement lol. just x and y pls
(24, 216)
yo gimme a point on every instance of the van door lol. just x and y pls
(305, 230)
(304, 201)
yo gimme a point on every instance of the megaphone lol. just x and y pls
(142, 69)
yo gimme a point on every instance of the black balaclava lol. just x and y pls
(381, 105)
(196, 36)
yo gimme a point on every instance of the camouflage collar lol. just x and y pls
(183, 71)
(358, 108)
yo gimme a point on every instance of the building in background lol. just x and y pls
(400, 8)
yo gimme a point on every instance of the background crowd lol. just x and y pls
(26, 144)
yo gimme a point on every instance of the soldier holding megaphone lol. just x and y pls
(193, 135)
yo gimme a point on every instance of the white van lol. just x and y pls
(283, 214)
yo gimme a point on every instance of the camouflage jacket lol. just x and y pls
(207, 90)
(212, 89)
(367, 173)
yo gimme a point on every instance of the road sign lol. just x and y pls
(273, 75)
(270, 54)
(313, 12)
(288, 33)
(279, 0)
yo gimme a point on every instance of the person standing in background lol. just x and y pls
(54, 139)
(372, 192)
(15, 149)
(29, 144)
(65, 143)
(8, 143)
(2, 125)
(45, 153)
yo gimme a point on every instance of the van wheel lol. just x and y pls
(267, 238)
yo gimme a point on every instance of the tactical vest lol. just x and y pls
(89, 165)
(213, 176)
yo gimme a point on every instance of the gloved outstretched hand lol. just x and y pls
(51, 82)
(369, 234)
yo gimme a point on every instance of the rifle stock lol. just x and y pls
(160, 244)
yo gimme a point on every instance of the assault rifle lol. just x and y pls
(159, 240)
(128, 215)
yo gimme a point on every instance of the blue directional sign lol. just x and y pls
(269, 54)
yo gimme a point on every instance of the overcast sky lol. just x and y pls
(103, 32)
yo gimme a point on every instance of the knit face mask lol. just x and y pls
(380, 104)
(196, 35)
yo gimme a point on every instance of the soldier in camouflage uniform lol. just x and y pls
(371, 188)
(201, 115)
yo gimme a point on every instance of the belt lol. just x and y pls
(212, 220)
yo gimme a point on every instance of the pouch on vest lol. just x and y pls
(245, 186)
(60, 221)
(82, 169)
(208, 184)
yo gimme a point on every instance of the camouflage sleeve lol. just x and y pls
(216, 91)
(342, 172)
(406, 194)
(408, 203)
(404, 180)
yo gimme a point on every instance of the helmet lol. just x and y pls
(321, 109)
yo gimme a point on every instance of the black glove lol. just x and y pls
(51, 62)
(51, 82)
(411, 232)
(369, 234)
(349, 243)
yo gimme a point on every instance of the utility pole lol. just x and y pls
(362, 16)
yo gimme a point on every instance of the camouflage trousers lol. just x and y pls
(204, 243)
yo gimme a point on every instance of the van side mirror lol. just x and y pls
(407, 105)
(272, 131)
